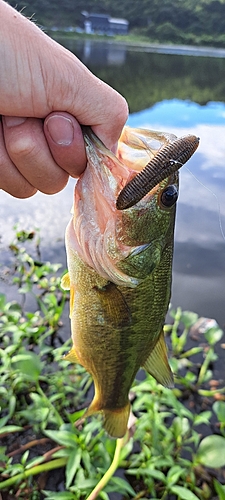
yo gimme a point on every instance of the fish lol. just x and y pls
(170, 158)
(119, 272)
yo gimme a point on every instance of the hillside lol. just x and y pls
(175, 21)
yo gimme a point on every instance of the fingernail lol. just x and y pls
(13, 121)
(60, 129)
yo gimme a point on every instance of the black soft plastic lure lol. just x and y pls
(166, 161)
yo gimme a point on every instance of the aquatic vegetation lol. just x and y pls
(174, 450)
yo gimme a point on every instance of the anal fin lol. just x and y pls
(157, 364)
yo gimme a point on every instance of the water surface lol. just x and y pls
(182, 95)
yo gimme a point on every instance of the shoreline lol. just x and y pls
(173, 49)
(187, 50)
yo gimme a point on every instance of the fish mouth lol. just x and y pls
(167, 161)
(93, 230)
(113, 165)
(136, 175)
(90, 137)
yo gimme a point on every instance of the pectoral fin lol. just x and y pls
(65, 282)
(157, 363)
(66, 285)
(116, 310)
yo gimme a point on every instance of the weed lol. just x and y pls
(175, 450)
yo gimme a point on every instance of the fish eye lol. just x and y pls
(169, 196)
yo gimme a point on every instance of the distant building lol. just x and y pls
(118, 26)
(104, 24)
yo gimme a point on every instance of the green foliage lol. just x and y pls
(192, 22)
(41, 395)
(220, 490)
(219, 409)
(211, 451)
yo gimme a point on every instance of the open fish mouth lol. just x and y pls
(167, 161)
(144, 159)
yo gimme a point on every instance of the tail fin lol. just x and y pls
(115, 419)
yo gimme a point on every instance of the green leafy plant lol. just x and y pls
(164, 455)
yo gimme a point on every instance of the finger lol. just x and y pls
(96, 104)
(111, 113)
(28, 150)
(11, 180)
(65, 140)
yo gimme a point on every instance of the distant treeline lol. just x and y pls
(176, 21)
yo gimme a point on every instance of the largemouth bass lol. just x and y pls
(119, 272)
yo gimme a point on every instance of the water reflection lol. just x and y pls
(102, 55)
(199, 258)
(147, 78)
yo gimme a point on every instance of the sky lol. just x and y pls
(199, 258)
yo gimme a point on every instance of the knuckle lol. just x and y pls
(123, 110)
(21, 147)
(120, 111)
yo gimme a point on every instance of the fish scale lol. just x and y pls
(119, 274)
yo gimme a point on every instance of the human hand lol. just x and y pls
(45, 94)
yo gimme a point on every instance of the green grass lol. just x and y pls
(174, 449)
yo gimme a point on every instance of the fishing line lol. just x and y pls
(215, 196)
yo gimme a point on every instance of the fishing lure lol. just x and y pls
(166, 161)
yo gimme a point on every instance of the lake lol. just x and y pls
(181, 94)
